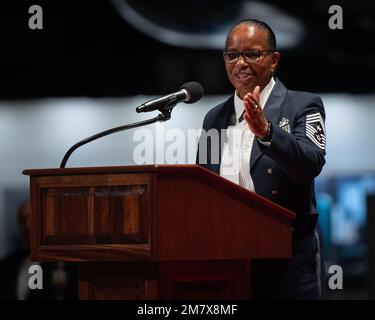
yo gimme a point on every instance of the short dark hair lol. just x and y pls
(271, 39)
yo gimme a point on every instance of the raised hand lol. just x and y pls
(254, 115)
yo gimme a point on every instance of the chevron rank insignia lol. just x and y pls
(315, 130)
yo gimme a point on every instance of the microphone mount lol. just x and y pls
(164, 116)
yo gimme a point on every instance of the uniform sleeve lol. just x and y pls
(300, 153)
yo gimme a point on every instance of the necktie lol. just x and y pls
(241, 117)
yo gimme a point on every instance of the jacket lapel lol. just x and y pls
(271, 112)
(221, 122)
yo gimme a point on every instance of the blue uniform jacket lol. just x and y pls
(284, 172)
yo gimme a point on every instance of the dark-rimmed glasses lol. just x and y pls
(247, 55)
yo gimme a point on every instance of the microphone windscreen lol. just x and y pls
(195, 91)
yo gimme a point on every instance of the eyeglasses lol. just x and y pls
(248, 55)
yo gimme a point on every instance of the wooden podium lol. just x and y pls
(154, 232)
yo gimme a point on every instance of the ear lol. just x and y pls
(275, 60)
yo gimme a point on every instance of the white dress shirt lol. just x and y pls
(238, 142)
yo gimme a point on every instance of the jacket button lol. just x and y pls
(275, 192)
(269, 170)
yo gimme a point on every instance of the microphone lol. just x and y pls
(190, 92)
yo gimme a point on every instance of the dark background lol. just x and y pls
(87, 49)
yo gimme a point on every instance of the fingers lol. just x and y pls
(247, 117)
(254, 96)
(256, 93)
(253, 114)
(250, 101)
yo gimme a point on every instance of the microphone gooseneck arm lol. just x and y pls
(166, 115)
